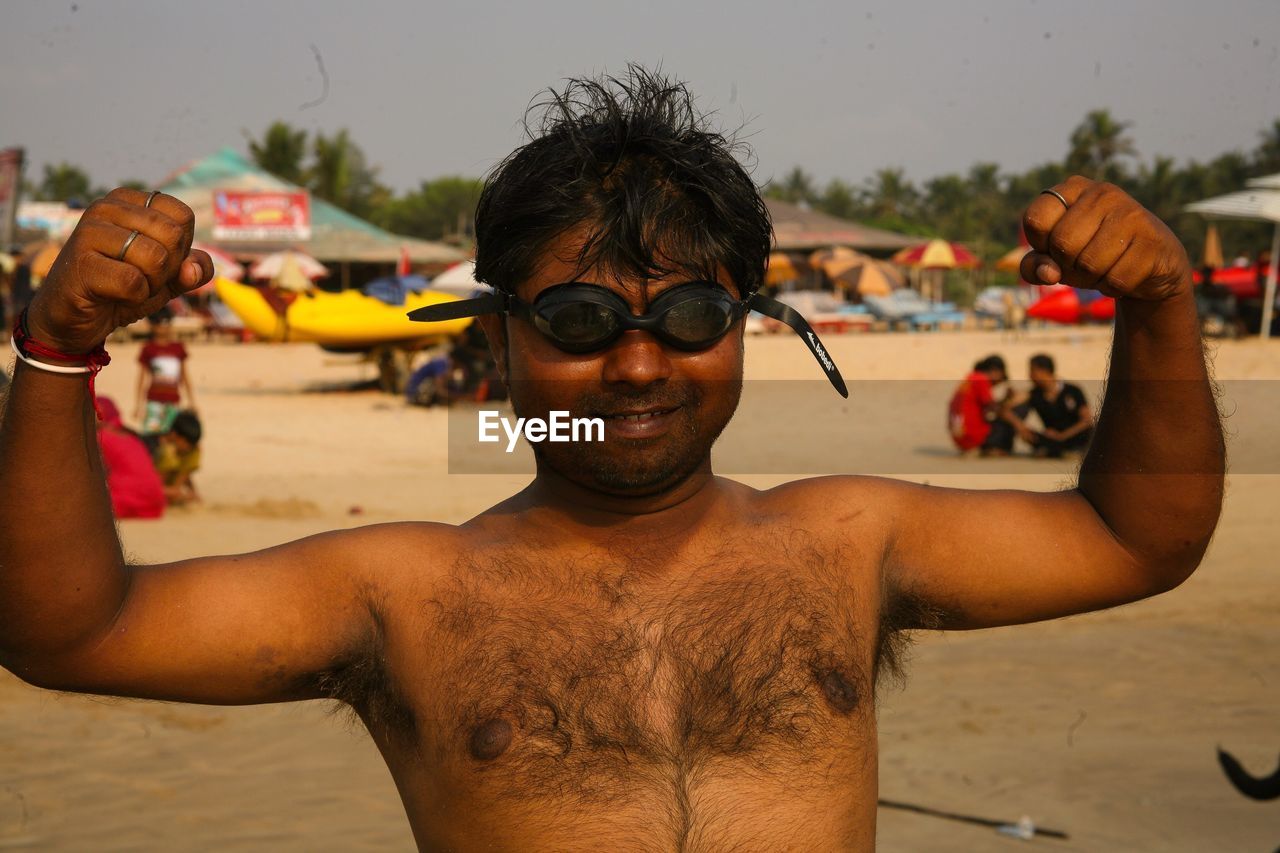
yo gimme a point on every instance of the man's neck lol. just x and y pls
(682, 505)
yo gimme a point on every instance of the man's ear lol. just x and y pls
(495, 330)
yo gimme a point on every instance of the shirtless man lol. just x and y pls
(631, 653)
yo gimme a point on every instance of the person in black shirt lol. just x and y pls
(1065, 417)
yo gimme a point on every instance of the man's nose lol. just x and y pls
(637, 358)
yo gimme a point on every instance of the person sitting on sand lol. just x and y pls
(132, 481)
(973, 410)
(1065, 417)
(162, 377)
(177, 458)
(631, 652)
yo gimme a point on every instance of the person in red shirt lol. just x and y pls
(162, 378)
(973, 407)
(135, 486)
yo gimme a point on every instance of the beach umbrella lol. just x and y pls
(1212, 248)
(275, 263)
(459, 279)
(1011, 261)
(1241, 281)
(937, 254)
(290, 276)
(223, 264)
(1064, 304)
(781, 268)
(834, 254)
(870, 278)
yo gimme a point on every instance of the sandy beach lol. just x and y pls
(1104, 726)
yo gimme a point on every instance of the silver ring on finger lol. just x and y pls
(1056, 195)
(151, 197)
(128, 241)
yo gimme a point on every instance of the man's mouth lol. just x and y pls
(639, 423)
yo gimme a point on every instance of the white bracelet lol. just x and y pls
(51, 368)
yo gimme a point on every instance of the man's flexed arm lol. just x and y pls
(72, 615)
(1150, 489)
(61, 571)
(1154, 472)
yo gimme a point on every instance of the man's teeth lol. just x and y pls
(641, 417)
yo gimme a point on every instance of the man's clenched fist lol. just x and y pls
(1103, 240)
(92, 289)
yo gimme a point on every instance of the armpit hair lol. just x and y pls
(902, 613)
(361, 685)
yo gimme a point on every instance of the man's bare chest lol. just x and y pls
(551, 670)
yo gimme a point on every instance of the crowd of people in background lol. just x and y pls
(987, 415)
(153, 467)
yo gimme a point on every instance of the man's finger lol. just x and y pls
(165, 205)
(1039, 268)
(1102, 252)
(112, 281)
(156, 261)
(196, 270)
(1045, 210)
(156, 224)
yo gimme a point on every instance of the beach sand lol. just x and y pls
(1104, 726)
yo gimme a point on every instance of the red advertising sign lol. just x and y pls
(261, 215)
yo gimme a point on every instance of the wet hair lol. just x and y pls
(991, 362)
(187, 425)
(633, 162)
(1042, 361)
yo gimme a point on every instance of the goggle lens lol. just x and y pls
(697, 323)
(577, 326)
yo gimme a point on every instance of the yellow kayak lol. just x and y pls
(346, 319)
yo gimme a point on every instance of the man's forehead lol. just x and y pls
(562, 262)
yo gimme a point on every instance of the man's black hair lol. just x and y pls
(991, 362)
(187, 425)
(632, 161)
(1043, 361)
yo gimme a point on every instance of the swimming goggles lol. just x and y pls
(582, 318)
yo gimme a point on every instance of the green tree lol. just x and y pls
(339, 174)
(281, 151)
(65, 182)
(838, 199)
(797, 187)
(890, 200)
(1266, 157)
(1097, 145)
(440, 209)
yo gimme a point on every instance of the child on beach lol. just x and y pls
(177, 458)
(162, 377)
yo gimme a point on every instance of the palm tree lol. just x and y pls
(65, 182)
(1097, 144)
(340, 174)
(280, 151)
(1266, 157)
(797, 187)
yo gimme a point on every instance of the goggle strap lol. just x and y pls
(786, 314)
(493, 303)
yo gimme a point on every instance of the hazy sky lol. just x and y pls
(135, 89)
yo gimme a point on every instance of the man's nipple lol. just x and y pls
(490, 739)
(839, 691)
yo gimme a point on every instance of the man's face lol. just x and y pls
(1041, 378)
(162, 332)
(662, 408)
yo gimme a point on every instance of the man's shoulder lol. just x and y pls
(835, 498)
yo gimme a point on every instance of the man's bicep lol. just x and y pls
(242, 629)
(984, 558)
